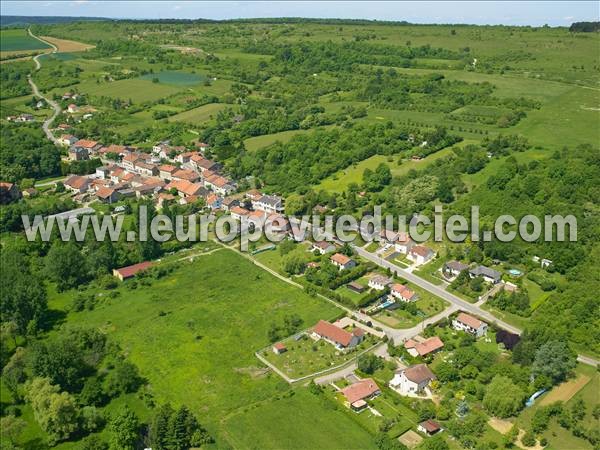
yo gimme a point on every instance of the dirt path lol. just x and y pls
(55, 106)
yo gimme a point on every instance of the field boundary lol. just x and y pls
(315, 374)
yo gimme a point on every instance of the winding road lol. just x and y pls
(55, 106)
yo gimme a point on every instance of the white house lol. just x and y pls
(268, 203)
(412, 380)
(379, 282)
(323, 247)
(342, 261)
(454, 268)
(470, 324)
(402, 293)
(420, 254)
(489, 275)
(67, 140)
(403, 243)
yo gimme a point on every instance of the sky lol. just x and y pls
(536, 13)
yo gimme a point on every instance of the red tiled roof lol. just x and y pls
(421, 250)
(184, 186)
(85, 143)
(360, 390)
(167, 168)
(76, 182)
(333, 333)
(430, 345)
(340, 259)
(104, 192)
(279, 346)
(403, 291)
(129, 271)
(239, 211)
(186, 174)
(471, 321)
(430, 426)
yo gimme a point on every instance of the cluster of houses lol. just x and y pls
(20, 118)
(402, 243)
(453, 269)
(168, 173)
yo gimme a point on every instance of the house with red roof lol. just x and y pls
(470, 324)
(336, 336)
(342, 261)
(402, 293)
(358, 393)
(77, 184)
(130, 271)
(424, 348)
(279, 348)
(420, 254)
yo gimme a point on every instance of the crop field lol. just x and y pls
(18, 39)
(175, 78)
(66, 46)
(194, 333)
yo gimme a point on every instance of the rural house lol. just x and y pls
(268, 203)
(357, 393)
(470, 324)
(453, 268)
(401, 292)
(342, 261)
(424, 348)
(336, 336)
(429, 427)
(130, 271)
(323, 247)
(379, 282)
(412, 380)
(489, 275)
(420, 254)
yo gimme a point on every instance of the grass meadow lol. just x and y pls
(193, 335)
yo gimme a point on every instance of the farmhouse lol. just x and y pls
(454, 268)
(213, 201)
(470, 324)
(489, 275)
(356, 394)
(429, 427)
(424, 348)
(253, 195)
(229, 202)
(130, 271)
(323, 247)
(379, 282)
(219, 184)
(185, 188)
(107, 195)
(336, 336)
(166, 171)
(342, 261)
(268, 203)
(412, 380)
(401, 292)
(77, 184)
(89, 146)
(420, 254)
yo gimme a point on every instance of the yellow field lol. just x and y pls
(65, 46)
(566, 390)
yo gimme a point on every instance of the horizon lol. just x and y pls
(530, 13)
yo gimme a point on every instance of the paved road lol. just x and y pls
(55, 106)
(456, 303)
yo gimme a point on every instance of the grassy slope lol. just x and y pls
(18, 39)
(263, 426)
(200, 351)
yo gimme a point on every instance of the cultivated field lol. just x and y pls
(200, 114)
(13, 40)
(66, 46)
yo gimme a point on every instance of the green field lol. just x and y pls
(13, 40)
(300, 421)
(137, 90)
(201, 114)
(175, 78)
(193, 334)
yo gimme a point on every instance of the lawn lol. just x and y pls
(427, 303)
(306, 356)
(193, 334)
(299, 421)
(254, 143)
(18, 39)
(137, 90)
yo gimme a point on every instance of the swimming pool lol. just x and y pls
(515, 272)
